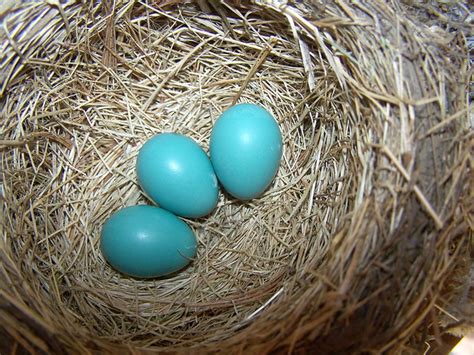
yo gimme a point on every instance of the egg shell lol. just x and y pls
(245, 149)
(177, 174)
(146, 241)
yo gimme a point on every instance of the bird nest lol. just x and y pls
(361, 243)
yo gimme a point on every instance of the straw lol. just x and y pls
(353, 248)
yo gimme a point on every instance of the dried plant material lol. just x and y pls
(361, 244)
(261, 58)
(109, 58)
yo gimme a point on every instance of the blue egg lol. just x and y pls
(246, 149)
(146, 241)
(177, 174)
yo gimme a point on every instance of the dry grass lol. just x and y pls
(354, 247)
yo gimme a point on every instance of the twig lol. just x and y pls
(260, 60)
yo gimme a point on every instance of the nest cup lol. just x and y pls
(361, 243)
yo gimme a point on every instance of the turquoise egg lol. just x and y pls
(246, 149)
(177, 174)
(146, 241)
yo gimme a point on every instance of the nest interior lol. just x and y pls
(362, 239)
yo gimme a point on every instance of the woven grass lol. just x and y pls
(363, 241)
